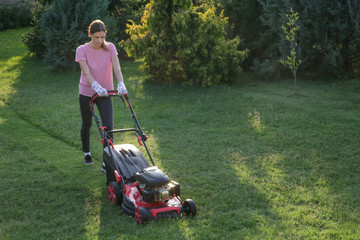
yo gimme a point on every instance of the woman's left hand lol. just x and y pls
(121, 88)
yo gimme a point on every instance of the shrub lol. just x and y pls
(180, 43)
(62, 27)
(266, 68)
(122, 11)
(15, 16)
(34, 40)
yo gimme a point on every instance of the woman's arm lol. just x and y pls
(86, 71)
(116, 66)
(117, 69)
(93, 83)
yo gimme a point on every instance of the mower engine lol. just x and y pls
(155, 185)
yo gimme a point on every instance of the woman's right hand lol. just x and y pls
(99, 89)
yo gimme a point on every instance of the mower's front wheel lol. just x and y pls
(140, 215)
(189, 207)
(114, 193)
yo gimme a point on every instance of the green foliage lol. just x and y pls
(180, 43)
(122, 11)
(119, 10)
(244, 22)
(290, 33)
(15, 15)
(61, 27)
(34, 39)
(330, 33)
(265, 68)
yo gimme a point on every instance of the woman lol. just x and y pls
(98, 59)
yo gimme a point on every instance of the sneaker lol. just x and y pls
(103, 167)
(88, 160)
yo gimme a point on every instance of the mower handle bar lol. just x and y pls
(114, 93)
(111, 93)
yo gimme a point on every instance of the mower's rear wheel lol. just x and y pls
(189, 207)
(114, 193)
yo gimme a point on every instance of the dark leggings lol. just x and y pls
(105, 107)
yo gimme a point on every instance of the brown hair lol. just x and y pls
(98, 26)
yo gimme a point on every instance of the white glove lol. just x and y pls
(121, 88)
(99, 89)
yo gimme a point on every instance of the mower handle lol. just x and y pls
(142, 137)
(111, 93)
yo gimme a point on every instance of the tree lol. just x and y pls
(179, 43)
(330, 33)
(290, 33)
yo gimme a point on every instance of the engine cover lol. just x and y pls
(152, 177)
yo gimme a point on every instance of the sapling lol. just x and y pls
(290, 32)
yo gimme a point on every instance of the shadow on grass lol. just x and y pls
(43, 188)
(261, 164)
(258, 163)
(196, 134)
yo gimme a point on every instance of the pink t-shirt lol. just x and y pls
(100, 65)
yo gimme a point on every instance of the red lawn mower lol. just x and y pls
(143, 191)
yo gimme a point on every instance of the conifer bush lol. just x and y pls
(34, 39)
(62, 27)
(179, 43)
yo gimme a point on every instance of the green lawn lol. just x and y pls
(259, 161)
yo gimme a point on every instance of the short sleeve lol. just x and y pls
(113, 50)
(80, 54)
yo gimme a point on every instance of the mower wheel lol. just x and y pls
(114, 193)
(189, 207)
(128, 206)
(140, 215)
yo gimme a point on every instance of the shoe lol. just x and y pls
(103, 167)
(88, 160)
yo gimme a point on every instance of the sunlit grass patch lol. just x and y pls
(259, 161)
(92, 213)
(10, 71)
(255, 122)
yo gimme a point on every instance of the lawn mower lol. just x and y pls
(143, 191)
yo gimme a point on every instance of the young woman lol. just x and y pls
(98, 59)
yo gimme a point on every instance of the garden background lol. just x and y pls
(260, 161)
